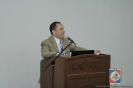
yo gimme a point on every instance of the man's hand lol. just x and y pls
(97, 52)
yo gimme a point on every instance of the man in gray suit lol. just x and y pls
(54, 44)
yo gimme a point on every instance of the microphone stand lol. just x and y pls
(53, 63)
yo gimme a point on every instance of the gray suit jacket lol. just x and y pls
(49, 48)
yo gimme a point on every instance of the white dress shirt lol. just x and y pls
(58, 43)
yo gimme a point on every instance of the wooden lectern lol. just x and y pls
(82, 71)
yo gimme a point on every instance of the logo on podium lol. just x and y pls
(115, 76)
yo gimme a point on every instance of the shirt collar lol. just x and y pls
(57, 40)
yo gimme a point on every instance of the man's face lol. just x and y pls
(59, 31)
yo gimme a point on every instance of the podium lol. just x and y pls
(82, 71)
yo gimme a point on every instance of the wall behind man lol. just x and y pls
(92, 24)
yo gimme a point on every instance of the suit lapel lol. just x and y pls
(54, 44)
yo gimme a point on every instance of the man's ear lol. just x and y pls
(53, 31)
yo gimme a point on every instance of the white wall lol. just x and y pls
(93, 24)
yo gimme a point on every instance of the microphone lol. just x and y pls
(70, 39)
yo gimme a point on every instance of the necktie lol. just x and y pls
(61, 47)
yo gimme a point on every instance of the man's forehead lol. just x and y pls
(59, 25)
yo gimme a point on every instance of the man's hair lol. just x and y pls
(53, 26)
